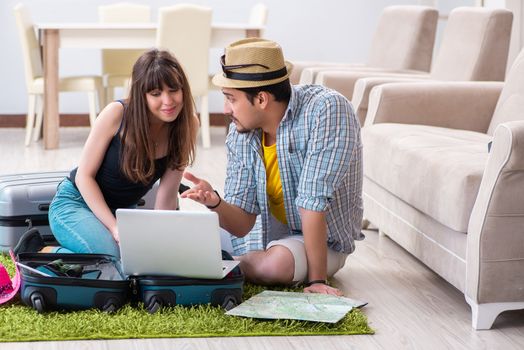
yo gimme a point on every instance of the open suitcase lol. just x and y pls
(98, 284)
(96, 281)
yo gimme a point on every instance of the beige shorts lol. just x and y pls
(295, 244)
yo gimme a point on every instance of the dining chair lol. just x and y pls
(185, 30)
(118, 64)
(35, 81)
(258, 16)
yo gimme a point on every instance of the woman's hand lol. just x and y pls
(202, 192)
(114, 233)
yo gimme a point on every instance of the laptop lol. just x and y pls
(171, 243)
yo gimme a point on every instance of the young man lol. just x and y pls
(294, 158)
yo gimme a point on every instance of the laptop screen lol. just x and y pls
(170, 243)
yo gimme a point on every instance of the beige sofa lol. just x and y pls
(402, 42)
(474, 47)
(431, 185)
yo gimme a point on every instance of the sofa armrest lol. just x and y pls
(495, 249)
(364, 86)
(344, 81)
(310, 75)
(300, 66)
(456, 105)
(305, 72)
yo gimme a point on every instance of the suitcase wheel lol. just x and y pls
(229, 302)
(37, 301)
(153, 305)
(110, 306)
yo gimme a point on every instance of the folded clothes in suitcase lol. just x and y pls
(83, 281)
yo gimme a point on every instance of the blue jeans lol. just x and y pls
(76, 227)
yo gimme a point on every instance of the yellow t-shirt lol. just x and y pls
(273, 183)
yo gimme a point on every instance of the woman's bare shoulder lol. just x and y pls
(111, 116)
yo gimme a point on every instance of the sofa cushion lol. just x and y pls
(436, 170)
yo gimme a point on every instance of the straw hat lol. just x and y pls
(252, 62)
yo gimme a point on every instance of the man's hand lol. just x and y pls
(202, 192)
(322, 288)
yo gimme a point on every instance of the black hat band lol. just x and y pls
(255, 76)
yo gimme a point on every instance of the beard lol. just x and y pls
(241, 129)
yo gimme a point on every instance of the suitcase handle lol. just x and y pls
(44, 206)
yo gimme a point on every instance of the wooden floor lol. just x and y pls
(410, 307)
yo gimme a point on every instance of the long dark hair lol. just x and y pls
(151, 71)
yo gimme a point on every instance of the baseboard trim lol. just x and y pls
(18, 120)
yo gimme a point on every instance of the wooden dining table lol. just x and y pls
(53, 36)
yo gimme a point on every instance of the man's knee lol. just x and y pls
(276, 265)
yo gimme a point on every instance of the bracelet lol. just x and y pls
(216, 205)
(310, 283)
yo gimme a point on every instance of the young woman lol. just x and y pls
(133, 143)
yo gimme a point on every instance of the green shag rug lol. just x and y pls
(21, 323)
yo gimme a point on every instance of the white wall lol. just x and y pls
(335, 30)
(330, 30)
(517, 32)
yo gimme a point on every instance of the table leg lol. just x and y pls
(51, 116)
(252, 33)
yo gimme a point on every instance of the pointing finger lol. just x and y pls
(189, 176)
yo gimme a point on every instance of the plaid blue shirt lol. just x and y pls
(319, 154)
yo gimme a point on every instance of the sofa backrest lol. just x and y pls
(404, 38)
(510, 105)
(474, 45)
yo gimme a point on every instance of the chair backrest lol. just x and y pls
(404, 38)
(185, 30)
(258, 14)
(474, 45)
(29, 42)
(510, 105)
(120, 62)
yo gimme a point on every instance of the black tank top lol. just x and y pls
(119, 191)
